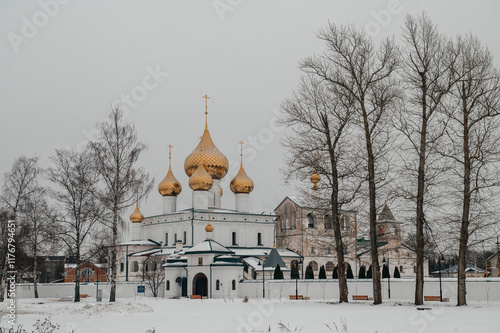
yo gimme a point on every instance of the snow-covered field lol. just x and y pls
(138, 315)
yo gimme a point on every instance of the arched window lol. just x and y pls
(284, 217)
(217, 285)
(314, 265)
(134, 266)
(168, 284)
(233, 285)
(293, 222)
(328, 221)
(329, 266)
(294, 263)
(311, 220)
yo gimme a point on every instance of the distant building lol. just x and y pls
(88, 272)
(470, 271)
(308, 231)
(493, 263)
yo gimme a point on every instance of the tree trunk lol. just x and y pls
(419, 280)
(464, 229)
(377, 287)
(77, 276)
(339, 246)
(35, 280)
(112, 293)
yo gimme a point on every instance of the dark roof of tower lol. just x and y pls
(274, 259)
(386, 214)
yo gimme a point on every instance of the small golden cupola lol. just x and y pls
(315, 178)
(169, 186)
(207, 154)
(200, 180)
(137, 216)
(241, 183)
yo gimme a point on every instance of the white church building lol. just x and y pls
(205, 250)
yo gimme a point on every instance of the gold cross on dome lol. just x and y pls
(241, 149)
(206, 102)
(170, 151)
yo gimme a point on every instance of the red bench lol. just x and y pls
(195, 296)
(359, 297)
(432, 298)
(297, 297)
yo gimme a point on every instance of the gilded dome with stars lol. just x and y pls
(201, 180)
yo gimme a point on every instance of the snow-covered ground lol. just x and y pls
(138, 315)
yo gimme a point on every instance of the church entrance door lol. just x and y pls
(200, 285)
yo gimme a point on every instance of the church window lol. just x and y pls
(122, 267)
(259, 238)
(284, 218)
(200, 261)
(329, 250)
(168, 284)
(166, 239)
(217, 285)
(401, 269)
(314, 265)
(185, 237)
(313, 250)
(292, 217)
(134, 266)
(233, 284)
(175, 238)
(329, 266)
(414, 269)
(311, 220)
(234, 238)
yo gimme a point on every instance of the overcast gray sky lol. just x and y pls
(65, 62)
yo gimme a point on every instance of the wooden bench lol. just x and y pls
(360, 297)
(432, 298)
(84, 295)
(297, 297)
(195, 296)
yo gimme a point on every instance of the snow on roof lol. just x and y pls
(208, 246)
(262, 251)
(454, 269)
(175, 264)
(140, 242)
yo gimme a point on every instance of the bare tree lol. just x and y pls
(427, 76)
(154, 273)
(364, 74)
(473, 148)
(76, 179)
(320, 121)
(115, 154)
(17, 187)
(38, 219)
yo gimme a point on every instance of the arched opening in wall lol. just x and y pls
(200, 285)
(293, 221)
(134, 266)
(328, 221)
(233, 285)
(311, 220)
(314, 265)
(217, 285)
(329, 266)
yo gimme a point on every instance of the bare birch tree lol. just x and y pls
(320, 121)
(473, 148)
(116, 153)
(39, 220)
(154, 273)
(76, 179)
(17, 187)
(365, 74)
(427, 76)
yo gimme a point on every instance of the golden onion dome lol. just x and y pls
(200, 180)
(209, 227)
(315, 178)
(169, 186)
(206, 153)
(136, 216)
(241, 183)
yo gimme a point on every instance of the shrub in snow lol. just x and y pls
(278, 274)
(335, 274)
(322, 272)
(362, 272)
(349, 272)
(396, 273)
(369, 272)
(294, 274)
(309, 272)
(385, 272)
